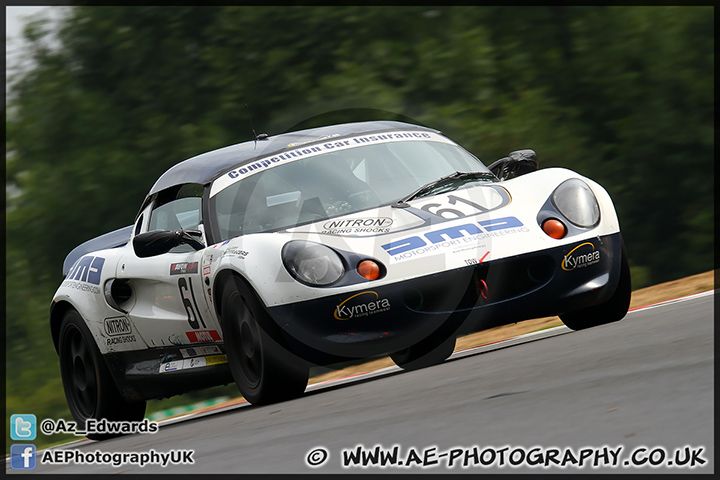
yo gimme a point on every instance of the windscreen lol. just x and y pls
(347, 176)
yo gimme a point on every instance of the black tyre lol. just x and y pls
(89, 389)
(264, 371)
(424, 354)
(612, 310)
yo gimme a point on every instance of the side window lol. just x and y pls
(177, 208)
(183, 213)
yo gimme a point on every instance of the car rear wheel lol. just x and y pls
(264, 371)
(612, 310)
(90, 390)
(424, 354)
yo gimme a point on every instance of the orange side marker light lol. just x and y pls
(554, 228)
(369, 269)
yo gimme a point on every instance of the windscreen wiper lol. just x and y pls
(447, 183)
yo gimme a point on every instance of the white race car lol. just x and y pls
(252, 262)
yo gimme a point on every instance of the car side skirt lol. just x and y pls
(164, 372)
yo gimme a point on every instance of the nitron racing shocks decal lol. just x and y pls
(119, 330)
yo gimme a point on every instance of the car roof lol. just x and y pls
(207, 166)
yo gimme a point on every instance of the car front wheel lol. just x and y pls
(89, 388)
(264, 371)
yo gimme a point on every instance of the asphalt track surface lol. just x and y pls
(644, 385)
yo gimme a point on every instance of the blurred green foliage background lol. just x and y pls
(623, 95)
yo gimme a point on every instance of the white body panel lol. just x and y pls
(86, 295)
(262, 266)
(173, 295)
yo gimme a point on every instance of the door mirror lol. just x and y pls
(155, 243)
(516, 163)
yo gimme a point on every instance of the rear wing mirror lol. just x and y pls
(151, 244)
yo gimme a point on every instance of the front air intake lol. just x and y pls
(118, 294)
(478, 285)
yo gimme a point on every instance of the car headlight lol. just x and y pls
(577, 202)
(312, 263)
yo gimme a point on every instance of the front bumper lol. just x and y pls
(375, 321)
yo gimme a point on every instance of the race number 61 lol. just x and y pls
(191, 306)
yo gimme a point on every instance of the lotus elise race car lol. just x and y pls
(252, 262)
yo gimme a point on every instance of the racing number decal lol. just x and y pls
(185, 286)
(452, 199)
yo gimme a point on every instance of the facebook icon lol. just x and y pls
(23, 457)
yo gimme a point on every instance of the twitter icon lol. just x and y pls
(23, 426)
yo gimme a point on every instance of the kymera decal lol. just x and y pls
(584, 255)
(361, 305)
